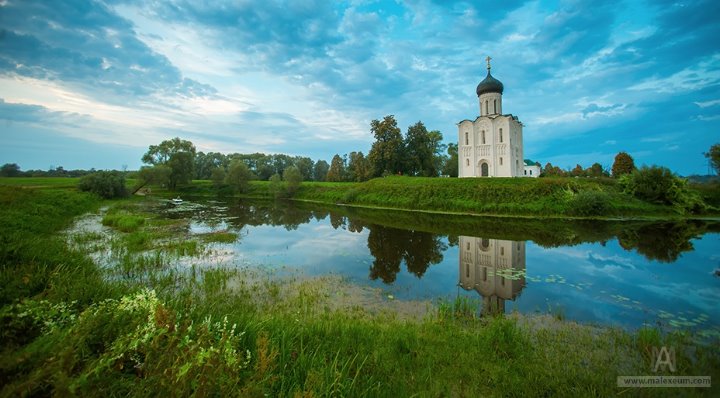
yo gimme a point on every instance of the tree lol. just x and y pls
(336, 172)
(10, 170)
(320, 171)
(596, 170)
(107, 184)
(418, 154)
(305, 165)
(238, 176)
(358, 167)
(293, 179)
(178, 155)
(386, 153)
(217, 176)
(451, 164)
(714, 156)
(577, 171)
(624, 164)
(276, 185)
(159, 174)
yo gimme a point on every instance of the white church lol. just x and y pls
(492, 144)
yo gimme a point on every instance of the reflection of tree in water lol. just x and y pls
(255, 214)
(391, 246)
(662, 242)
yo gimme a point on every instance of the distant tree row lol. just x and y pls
(13, 170)
(623, 164)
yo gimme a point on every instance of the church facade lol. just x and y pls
(492, 144)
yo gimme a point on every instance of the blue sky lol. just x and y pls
(92, 84)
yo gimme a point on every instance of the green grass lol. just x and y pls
(146, 328)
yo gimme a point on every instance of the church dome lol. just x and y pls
(489, 85)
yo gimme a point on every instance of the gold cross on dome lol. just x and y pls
(488, 61)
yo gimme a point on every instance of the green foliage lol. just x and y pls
(358, 167)
(336, 173)
(276, 186)
(292, 179)
(450, 168)
(10, 170)
(176, 154)
(106, 184)
(714, 156)
(590, 203)
(420, 151)
(238, 176)
(623, 164)
(660, 185)
(385, 156)
(320, 170)
(217, 176)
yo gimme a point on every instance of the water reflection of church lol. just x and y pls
(494, 268)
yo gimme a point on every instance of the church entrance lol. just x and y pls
(483, 169)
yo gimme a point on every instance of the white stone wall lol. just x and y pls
(501, 150)
(532, 171)
(490, 104)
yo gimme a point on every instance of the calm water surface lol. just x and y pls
(626, 274)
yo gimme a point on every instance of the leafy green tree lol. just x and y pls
(451, 164)
(577, 171)
(238, 176)
(107, 184)
(386, 152)
(206, 163)
(177, 154)
(624, 164)
(10, 170)
(714, 156)
(418, 154)
(217, 176)
(276, 186)
(596, 170)
(358, 167)
(659, 185)
(336, 172)
(435, 138)
(182, 167)
(320, 170)
(293, 178)
(305, 165)
(159, 174)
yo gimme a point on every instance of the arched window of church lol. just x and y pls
(501, 135)
(467, 139)
(502, 251)
(467, 246)
(487, 107)
(494, 106)
(467, 270)
(482, 136)
(500, 161)
(526, 172)
(530, 172)
(467, 162)
(484, 274)
(484, 244)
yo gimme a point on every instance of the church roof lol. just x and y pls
(489, 85)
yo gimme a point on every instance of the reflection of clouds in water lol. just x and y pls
(592, 262)
(686, 294)
(331, 241)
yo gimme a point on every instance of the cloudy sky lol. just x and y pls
(91, 84)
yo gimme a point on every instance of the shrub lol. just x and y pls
(107, 184)
(589, 203)
(659, 185)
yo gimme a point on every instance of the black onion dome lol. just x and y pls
(489, 85)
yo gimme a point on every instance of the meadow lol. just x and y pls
(148, 327)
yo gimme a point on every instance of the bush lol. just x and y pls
(107, 184)
(659, 185)
(589, 203)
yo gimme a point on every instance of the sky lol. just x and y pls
(91, 84)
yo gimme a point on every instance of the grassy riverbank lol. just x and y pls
(148, 327)
(525, 197)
